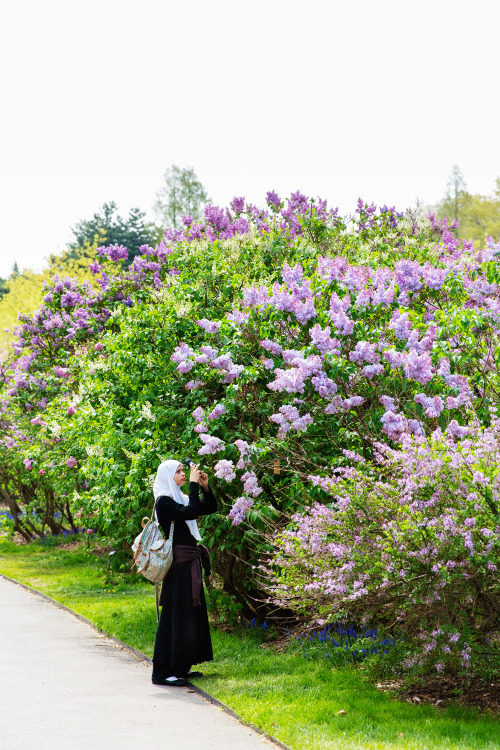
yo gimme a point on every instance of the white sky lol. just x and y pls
(337, 99)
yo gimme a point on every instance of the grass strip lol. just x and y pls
(306, 704)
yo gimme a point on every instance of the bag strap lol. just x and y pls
(157, 585)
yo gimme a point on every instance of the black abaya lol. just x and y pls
(183, 634)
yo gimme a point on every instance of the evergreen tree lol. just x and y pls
(109, 228)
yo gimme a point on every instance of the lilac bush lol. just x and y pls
(412, 541)
(278, 345)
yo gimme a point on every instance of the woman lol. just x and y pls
(183, 634)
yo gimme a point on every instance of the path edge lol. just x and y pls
(140, 655)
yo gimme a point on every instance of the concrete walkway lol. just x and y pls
(63, 685)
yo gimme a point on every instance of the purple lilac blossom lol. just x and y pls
(210, 326)
(240, 509)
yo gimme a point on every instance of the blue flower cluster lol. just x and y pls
(335, 642)
(344, 643)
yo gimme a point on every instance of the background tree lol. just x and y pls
(456, 190)
(478, 216)
(110, 229)
(181, 195)
(3, 287)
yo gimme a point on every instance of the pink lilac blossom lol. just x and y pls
(244, 450)
(342, 323)
(185, 366)
(418, 367)
(115, 253)
(416, 427)
(407, 275)
(250, 484)
(289, 418)
(71, 462)
(394, 425)
(291, 381)
(353, 401)
(271, 346)
(395, 358)
(182, 352)
(388, 403)
(456, 430)
(370, 371)
(225, 470)
(217, 411)
(238, 317)
(325, 386)
(326, 483)
(212, 444)
(322, 341)
(210, 326)
(193, 384)
(432, 405)
(364, 351)
(198, 414)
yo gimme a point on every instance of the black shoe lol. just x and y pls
(178, 682)
(192, 674)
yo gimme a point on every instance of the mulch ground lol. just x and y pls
(441, 691)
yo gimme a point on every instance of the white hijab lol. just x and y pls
(165, 485)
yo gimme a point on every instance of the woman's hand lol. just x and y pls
(203, 480)
(194, 472)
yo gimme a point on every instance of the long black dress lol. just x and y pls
(183, 634)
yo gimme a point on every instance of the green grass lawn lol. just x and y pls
(292, 698)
